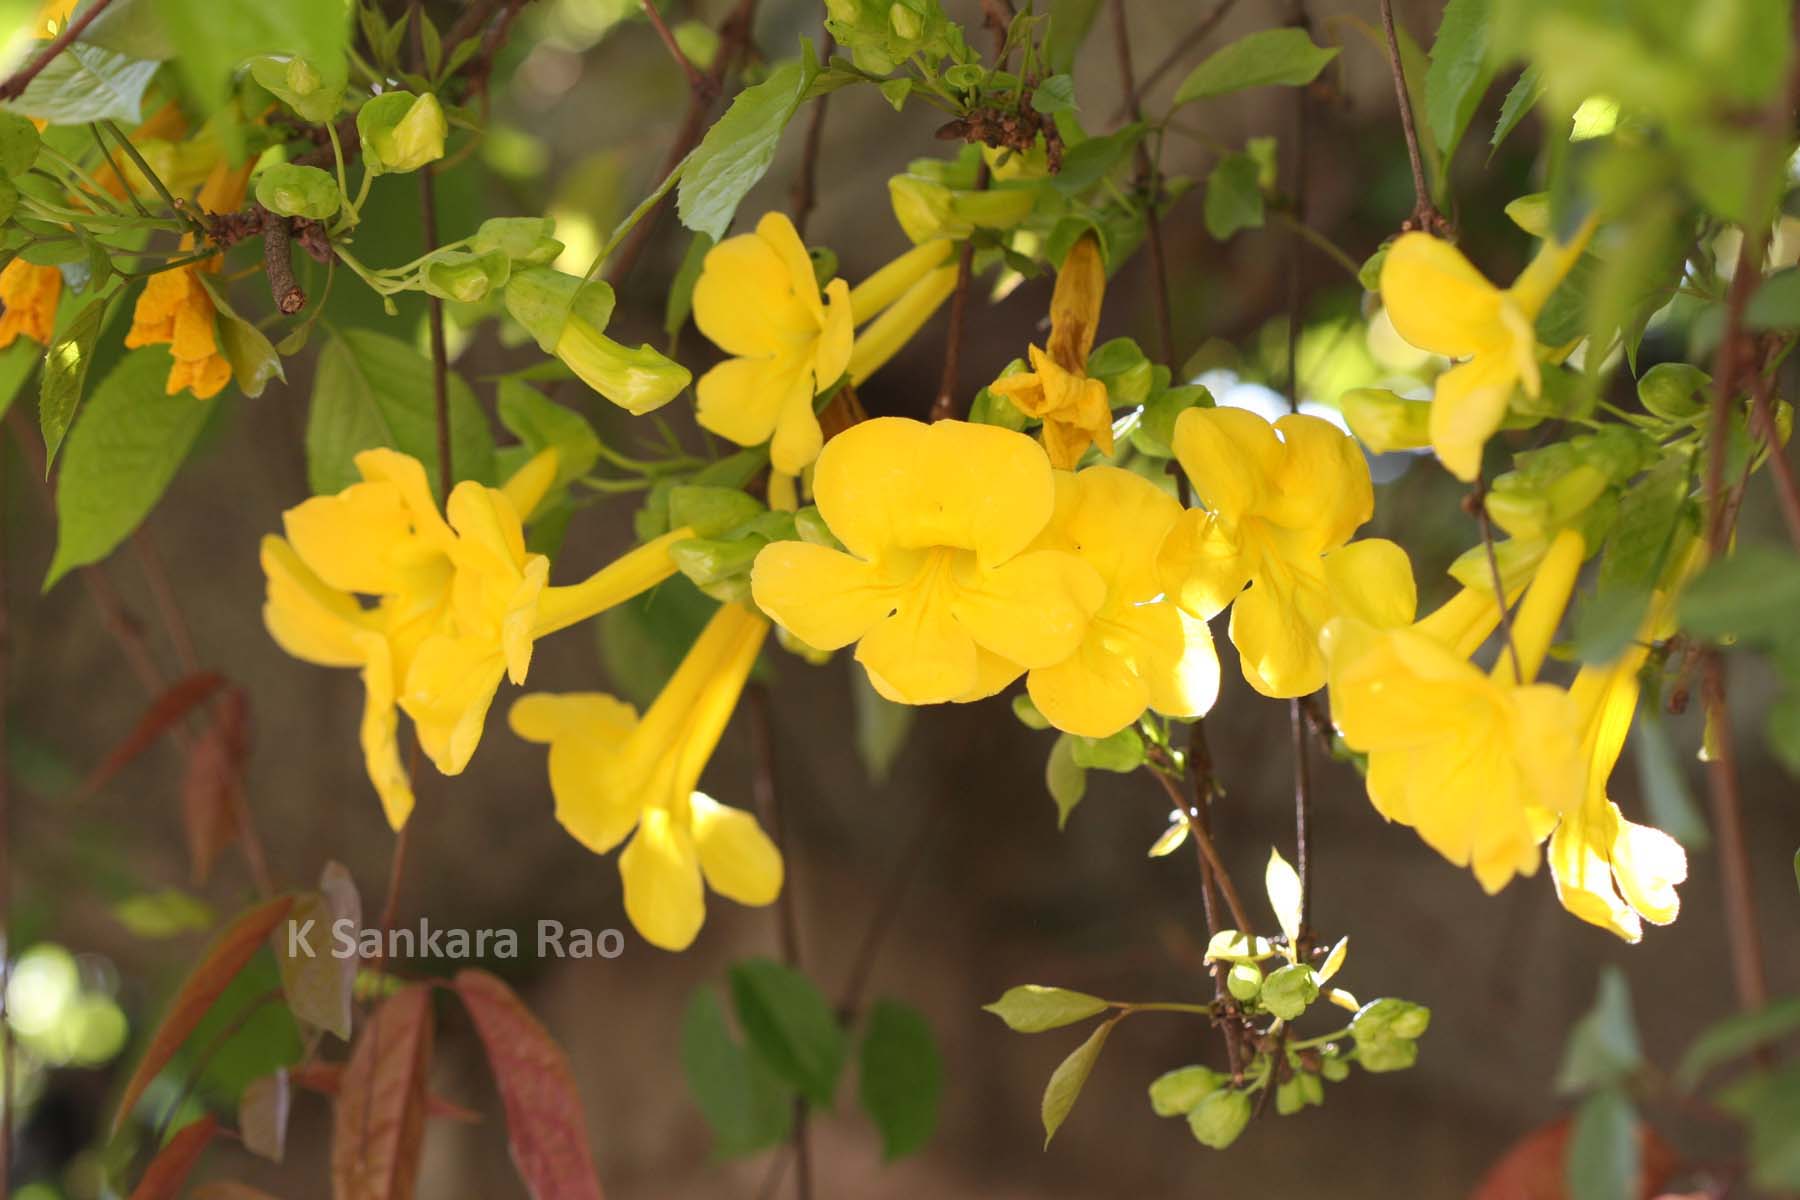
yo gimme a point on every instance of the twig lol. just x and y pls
(805, 194)
(1149, 184)
(1785, 491)
(944, 405)
(162, 189)
(1192, 38)
(1747, 964)
(701, 84)
(6, 889)
(440, 356)
(279, 266)
(1209, 853)
(1475, 504)
(1425, 215)
(15, 84)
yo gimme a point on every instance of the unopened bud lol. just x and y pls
(1177, 1091)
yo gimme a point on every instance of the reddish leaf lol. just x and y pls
(229, 1189)
(215, 768)
(327, 1078)
(263, 1115)
(545, 1128)
(163, 713)
(1533, 1169)
(380, 1123)
(176, 1161)
(224, 959)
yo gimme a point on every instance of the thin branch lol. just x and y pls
(1209, 853)
(1748, 970)
(15, 85)
(278, 264)
(944, 405)
(440, 356)
(805, 194)
(1785, 491)
(162, 189)
(1296, 714)
(1475, 504)
(700, 83)
(1149, 184)
(1425, 215)
(1192, 38)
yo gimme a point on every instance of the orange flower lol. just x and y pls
(28, 294)
(175, 308)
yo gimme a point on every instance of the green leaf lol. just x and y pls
(745, 1105)
(1526, 91)
(681, 289)
(19, 142)
(1053, 95)
(1270, 56)
(87, 83)
(166, 913)
(1234, 200)
(1289, 989)
(1736, 1036)
(789, 1024)
(900, 1077)
(1033, 1008)
(65, 374)
(737, 150)
(1752, 594)
(1460, 72)
(1070, 1076)
(120, 457)
(252, 357)
(374, 390)
(1283, 886)
(881, 727)
(315, 981)
(1070, 21)
(1770, 1102)
(1603, 1045)
(1776, 303)
(1122, 752)
(1066, 779)
(542, 424)
(1664, 781)
(1602, 1161)
(210, 49)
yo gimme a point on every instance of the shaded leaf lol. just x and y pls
(1770, 1102)
(900, 1077)
(1066, 779)
(379, 1124)
(1521, 98)
(1234, 200)
(315, 979)
(164, 713)
(737, 150)
(1460, 72)
(217, 968)
(65, 375)
(88, 83)
(215, 770)
(790, 1025)
(169, 1170)
(745, 1105)
(1736, 1036)
(881, 727)
(327, 1079)
(1603, 1045)
(1269, 56)
(162, 914)
(1070, 1076)
(263, 1116)
(1603, 1148)
(545, 1126)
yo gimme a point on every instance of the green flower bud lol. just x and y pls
(1219, 1118)
(1287, 991)
(1385, 422)
(1674, 391)
(1177, 1091)
(905, 22)
(1244, 981)
(1289, 1097)
(401, 132)
(1524, 507)
(811, 527)
(711, 511)
(524, 240)
(1312, 1088)
(290, 191)
(709, 561)
(464, 277)
(1394, 1054)
(1388, 1018)
(928, 209)
(543, 301)
(314, 91)
(638, 381)
(1334, 1068)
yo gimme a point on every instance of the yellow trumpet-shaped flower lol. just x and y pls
(1141, 649)
(613, 773)
(1277, 499)
(940, 587)
(175, 309)
(758, 299)
(1075, 410)
(1609, 871)
(28, 298)
(1480, 764)
(1439, 302)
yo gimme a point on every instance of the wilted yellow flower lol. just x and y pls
(612, 773)
(28, 298)
(1482, 765)
(940, 589)
(1277, 499)
(758, 299)
(1439, 302)
(1141, 650)
(174, 308)
(1075, 410)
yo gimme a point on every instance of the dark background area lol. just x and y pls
(997, 896)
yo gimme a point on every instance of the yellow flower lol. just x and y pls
(1439, 302)
(29, 296)
(612, 773)
(940, 589)
(1482, 765)
(1609, 871)
(1141, 650)
(174, 308)
(1277, 499)
(758, 299)
(1075, 410)
(453, 604)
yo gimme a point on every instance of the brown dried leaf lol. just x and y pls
(169, 1170)
(221, 964)
(379, 1127)
(164, 711)
(545, 1128)
(263, 1115)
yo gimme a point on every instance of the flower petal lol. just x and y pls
(824, 597)
(1033, 610)
(736, 856)
(1229, 454)
(307, 618)
(544, 717)
(378, 733)
(348, 539)
(1467, 405)
(1372, 581)
(1436, 298)
(919, 655)
(1275, 626)
(1202, 564)
(663, 893)
(1091, 693)
(741, 398)
(449, 688)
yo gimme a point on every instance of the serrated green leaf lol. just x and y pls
(1521, 98)
(1033, 1008)
(790, 1026)
(1269, 56)
(65, 375)
(900, 1077)
(1460, 72)
(125, 447)
(737, 150)
(1070, 1076)
(374, 390)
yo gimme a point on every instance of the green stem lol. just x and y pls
(92, 189)
(149, 172)
(637, 214)
(1204, 1010)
